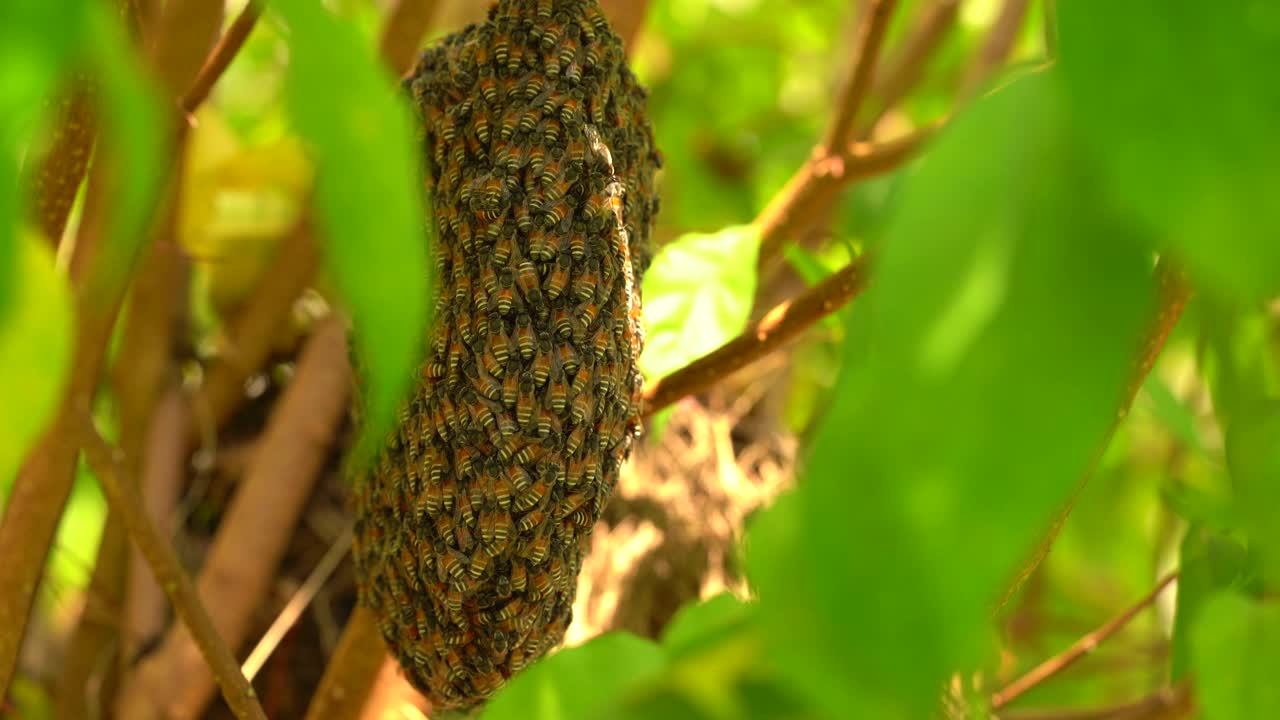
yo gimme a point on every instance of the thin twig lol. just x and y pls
(108, 465)
(875, 23)
(785, 321)
(1078, 649)
(255, 531)
(222, 55)
(817, 183)
(1165, 704)
(997, 47)
(407, 23)
(897, 78)
(352, 669)
(297, 604)
(1172, 293)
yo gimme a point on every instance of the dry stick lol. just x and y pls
(352, 670)
(61, 171)
(402, 33)
(297, 603)
(252, 331)
(222, 55)
(782, 323)
(898, 77)
(875, 22)
(1172, 293)
(108, 464)
(997, 47)
(256, 529)
(186, 31)
(1078, 649)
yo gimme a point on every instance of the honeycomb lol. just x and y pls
(471, 526)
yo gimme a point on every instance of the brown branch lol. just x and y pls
(255, 531)
(57, 179)
(996, 49)
(784, 322)
(185, 32)
(108, 464)
(871, 32)
(222, 55)
(898, 77)
(818, 183)
(252, 331)
(1167, 703)
(406, 24)
(352, 670)
(1078, 649)
(626, 17)
(1172, 293)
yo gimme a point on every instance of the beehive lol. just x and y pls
(471, 529)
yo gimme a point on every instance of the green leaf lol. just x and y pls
(1173, 413)
(1179, 104)
(581, 682)
(703, 623)
(35, 351)
(697, 296)
(991, 352)
(1253, 458)
(1209, 562)
(1236, 649)
(370, 195)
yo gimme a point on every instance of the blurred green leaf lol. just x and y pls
(703, 623)
(1236, 649)
(806, 263)
(1253, 458)
(997, 339)
(697, 296)
(1179, 103)
(1173, 413)
(1210, 561)
(35, 351)
(579, 683)
(370, 196)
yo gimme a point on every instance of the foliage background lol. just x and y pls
(944, 419)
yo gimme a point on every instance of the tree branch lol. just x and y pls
(996, 49)
(897, 78)
(57, 180)
(406, 24)
(875, 22)
(1164, 704)
(1078, 649)
(108, 465)
(819, 181)
(352, 670)
(255, 531)
(784, 322)
(222, 55)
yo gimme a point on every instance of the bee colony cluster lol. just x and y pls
(471, 529)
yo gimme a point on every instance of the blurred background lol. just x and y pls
(740, 92)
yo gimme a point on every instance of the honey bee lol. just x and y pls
(574, 441)
(444, 528)
(505, 300)
(532, 496)
(571, 502)
(524, 335)
(553, 166)
(562, 321)
(479, 563)
(519, 576)
(511, 383)
(573, 477)
(583, 404)
(577, 243)
(556, 569)
(571, 107)
(515, 53)
(503, 587)
(525, 401)
(488, 682)
(501, 45)
(540, 245)
(488, 87)
(510, 121)
(568, 358)
(527, 278)
(553, 30)
(544, 10)
(510, 610)
(541, 368)
(557, 212)
(587, 313)
(530, 453)
(581, 518)
(457, 637)
(551, 130)
(537, 160)
(531, 521)
(540, 585)
(600, 342)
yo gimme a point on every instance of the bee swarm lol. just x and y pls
(472, 526)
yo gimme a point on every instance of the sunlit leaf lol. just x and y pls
(988, 361)
(1209, 562)
(35, 351)
(697, 296)
(370, 196)
(704, 622)
(1253, 457)
(579, 683)
(1236, 649)
(1180, 105)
